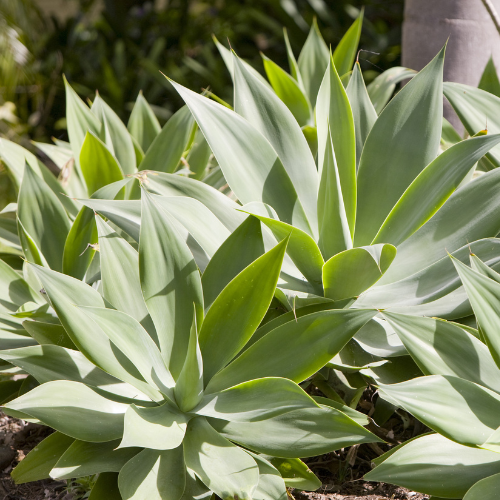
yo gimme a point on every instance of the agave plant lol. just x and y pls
(371, 220)
(160, 381)
(458, 398)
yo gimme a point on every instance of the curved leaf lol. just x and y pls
(99, 166)
(123, 145)
(436, 400)
(143, 124)
(40, 460)
(170, 283)
(155, 475)
(363, 112)
(265, 111)
(237, 404)
(85, 459)
(157, 428)
(407, 133)
(250, 165)
(224, 468)
(310, 340)
(43, 218)
(166, 151)
(350, 273)
(73, 409)
(432, 464)
(237, 311)
(288, 90)
(312, 62)
(432, 187)
(300, 433)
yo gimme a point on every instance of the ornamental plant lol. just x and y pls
(371, 210)
(165, 388)
(458, 398)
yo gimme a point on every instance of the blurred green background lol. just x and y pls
(120, 46)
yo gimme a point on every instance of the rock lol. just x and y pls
(6, 456)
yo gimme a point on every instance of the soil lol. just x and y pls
(340, 471)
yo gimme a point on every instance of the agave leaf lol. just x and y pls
(227, 57)
(69, 406)
(437, 466)
(237, 404)
(249, 163)
(14, 290)
(335, 125)
(63, 292)
(41, 459)
(77, 254)
(98, 165)
(189, 386)
(240, 249)
(301, 248)
(199, 156)
(50, 362)
(345, 52)
(312, 63)
(175, 185)
(489, 79)
(121, 139)
(334, 231)
(435, 283)
(15, 157)
(134, 342)
(157, 428)
(265, 111)
(85, 459)
(441, 348)
(296, 473)
(363, 112)
(484, 295)
(289, 91)
(186, 216)
(239, 309)
(271, 485)
(121, 285)
(432, 187)
(350, 273)
(60, 156)
(311, 340)
(155, 475)
(80, 120)
(407, 133)
(436, 401)
(477, 110)
(487, 487)
(106, 487)
(30, 249)
(143, 124)
(467, 216)
(319, 430)
(48, 334)
(382, 88)
(170, 283)
(292, 62)
(166, 151)
(227, 470)
(43, 218)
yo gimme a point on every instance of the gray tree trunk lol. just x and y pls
(473, 38)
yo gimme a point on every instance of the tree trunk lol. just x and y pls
(472, 35)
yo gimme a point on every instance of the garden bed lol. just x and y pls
(18, 438)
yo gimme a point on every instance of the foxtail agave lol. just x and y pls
(165, 387)
(458, 398)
